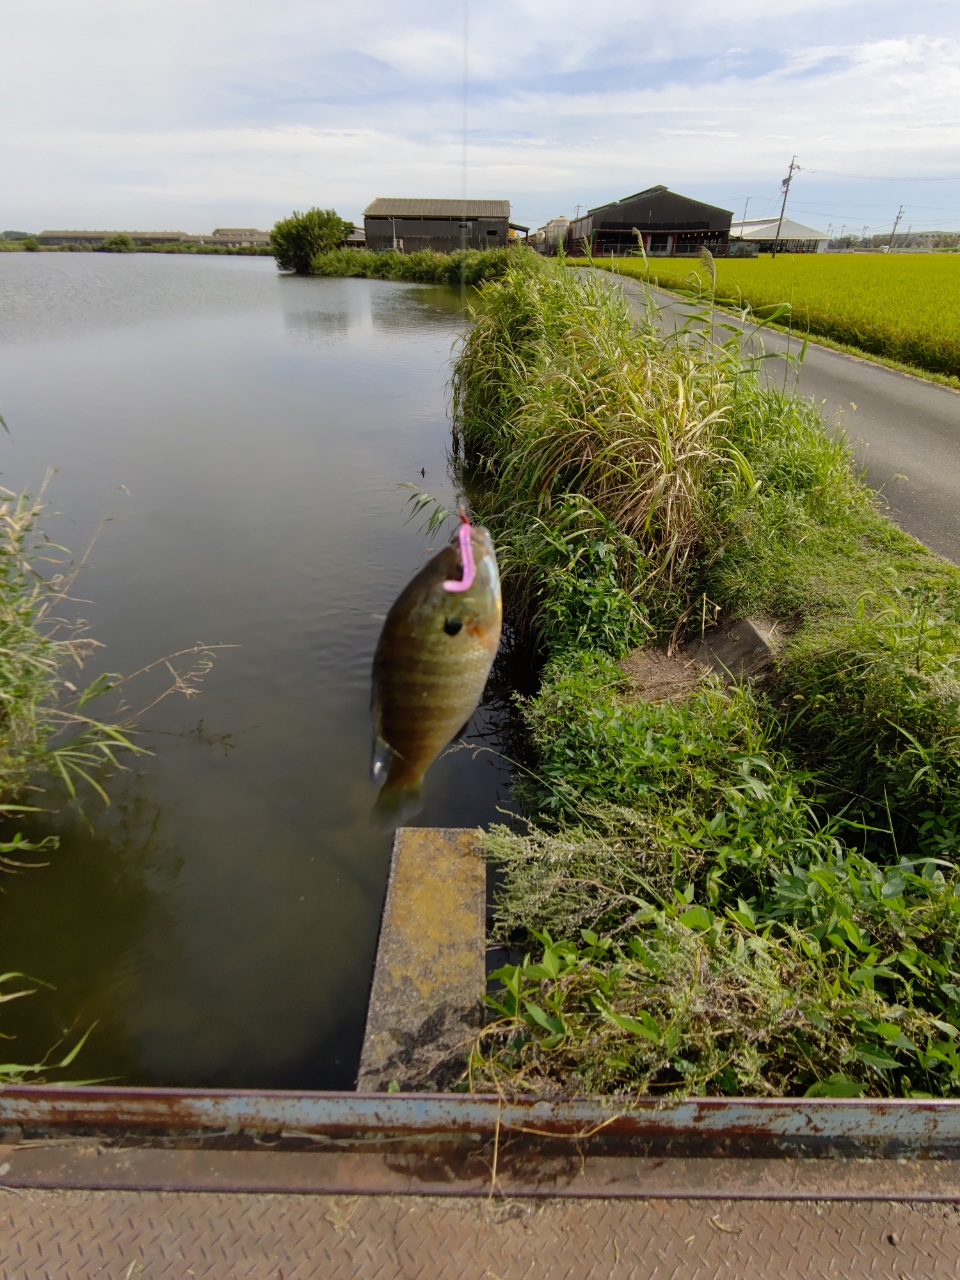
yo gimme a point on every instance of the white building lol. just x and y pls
(794, 236)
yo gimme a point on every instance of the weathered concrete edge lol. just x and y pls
(428, 981)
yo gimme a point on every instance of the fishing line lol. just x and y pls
(464, 225)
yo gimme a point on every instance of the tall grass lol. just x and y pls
(46, 729)
(903, 307)
(748, 889)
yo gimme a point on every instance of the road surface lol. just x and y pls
(905, 432)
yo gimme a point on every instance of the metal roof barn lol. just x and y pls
(443, 225)
(668, 222)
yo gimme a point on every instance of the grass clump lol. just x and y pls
(425, 266)
(747, 889)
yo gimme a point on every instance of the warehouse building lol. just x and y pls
(794, 236)
(444, 225)
(668, 224)
(92, 239)
(228, 237)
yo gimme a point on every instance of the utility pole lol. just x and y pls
(746, 206)
(785, 185)
(896, 224)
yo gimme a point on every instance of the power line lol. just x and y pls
(871, 177)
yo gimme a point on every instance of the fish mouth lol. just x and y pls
(483, 536)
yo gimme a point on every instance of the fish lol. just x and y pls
(432, 661)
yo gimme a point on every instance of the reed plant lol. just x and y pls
(743, 889)
(47, 731)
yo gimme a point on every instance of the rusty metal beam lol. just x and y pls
(750, 1126)
(450, 1144)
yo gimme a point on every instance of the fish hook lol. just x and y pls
(466, 555)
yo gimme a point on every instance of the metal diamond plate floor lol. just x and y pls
(78, 1235)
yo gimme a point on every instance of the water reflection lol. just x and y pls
(247, 434)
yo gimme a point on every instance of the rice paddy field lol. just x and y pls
(898, 306)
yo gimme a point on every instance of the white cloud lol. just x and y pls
(194, 114)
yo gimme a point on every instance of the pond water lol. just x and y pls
(238, 439)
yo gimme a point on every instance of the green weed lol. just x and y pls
(765, 876)
(426, 266)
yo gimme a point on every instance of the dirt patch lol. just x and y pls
(741, 650)
(655, 677)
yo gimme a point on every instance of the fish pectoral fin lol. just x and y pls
(380, 760)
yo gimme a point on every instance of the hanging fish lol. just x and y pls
(435, 652)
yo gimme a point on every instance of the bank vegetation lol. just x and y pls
(742, 889)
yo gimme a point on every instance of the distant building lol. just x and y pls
(667, 223)
(444, 225)
(357, 239)
(554, 235)
(229, 237)
(794, 236)
(93, 238)
(233, 237)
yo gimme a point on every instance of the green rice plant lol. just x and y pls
(905, 307)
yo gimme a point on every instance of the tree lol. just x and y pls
(119, 243)
(297, 239)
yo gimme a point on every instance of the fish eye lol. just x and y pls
(452, 625)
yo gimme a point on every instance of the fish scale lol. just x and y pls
(429, 672)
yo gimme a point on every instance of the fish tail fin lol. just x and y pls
(396, 804)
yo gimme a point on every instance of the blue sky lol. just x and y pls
(187, 116)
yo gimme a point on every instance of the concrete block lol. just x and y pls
(738, 651)
(430, 976)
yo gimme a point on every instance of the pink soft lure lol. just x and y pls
(466, 555)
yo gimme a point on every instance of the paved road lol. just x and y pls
(905, 431)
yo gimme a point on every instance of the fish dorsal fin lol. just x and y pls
(380, 760)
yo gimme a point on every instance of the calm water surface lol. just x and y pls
(242, 436)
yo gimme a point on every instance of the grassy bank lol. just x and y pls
(470, 266)
(744, 890)
(903, 308)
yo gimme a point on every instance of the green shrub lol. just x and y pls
(119, 243)
(426, 266)
(297, 240)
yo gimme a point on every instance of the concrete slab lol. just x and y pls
(430, 975)
(738, 651)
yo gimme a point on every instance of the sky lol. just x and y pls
(188, 116)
